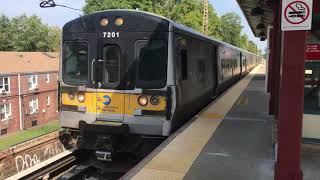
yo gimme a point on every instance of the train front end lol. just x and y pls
(115, 80)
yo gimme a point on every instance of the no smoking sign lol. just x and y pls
(296, 15)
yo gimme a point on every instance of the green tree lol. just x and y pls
(28, 34)
(231, 28)
(186, 12)
(54, 39)
(228, 28)
(265, 55)
(244, 41)
(252, 47)
(214, 23)
(5, 36)
(100, 5)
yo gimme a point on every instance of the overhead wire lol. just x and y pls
(51, 3)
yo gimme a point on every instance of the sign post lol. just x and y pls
(296, 20)
(296, 15)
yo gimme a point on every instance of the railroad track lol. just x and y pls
(54, 168)
(84, 165)
(95, 169)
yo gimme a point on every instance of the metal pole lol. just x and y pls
(205, 16)
(20, 104)
(291, 103)
(274, 68)
(269, 31)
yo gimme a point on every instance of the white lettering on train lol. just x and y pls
(111, 34)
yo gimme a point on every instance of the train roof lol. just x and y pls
(150, 21)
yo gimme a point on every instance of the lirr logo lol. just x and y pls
(107, 100)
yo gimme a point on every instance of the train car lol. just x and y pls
(127, 75)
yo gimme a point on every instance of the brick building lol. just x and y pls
(28, 90)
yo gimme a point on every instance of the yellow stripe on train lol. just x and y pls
(113, 103)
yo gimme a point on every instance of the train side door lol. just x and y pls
(245, 64)
(215, 68)
(110, 97)
(241, 64)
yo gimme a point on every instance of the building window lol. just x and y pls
(47, 78)
(4, 131)
(5, 112)
(33, 104)
(4, 85)
(48, 100)
(34, 123)
(33, 82)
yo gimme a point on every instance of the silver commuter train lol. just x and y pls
(126, 75)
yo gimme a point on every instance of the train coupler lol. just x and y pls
(104, 156)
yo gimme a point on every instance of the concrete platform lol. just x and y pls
(310, 161)
(241, 147)
(231, 139)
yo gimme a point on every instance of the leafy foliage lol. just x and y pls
(28, 34)
(252, 47)
(231, 28)
(5, 43)
(244, 41)
(187, 12)
(227, 28)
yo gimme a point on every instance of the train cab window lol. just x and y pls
(184, 64)
(111, 56)
(75, 62)
(151, 59)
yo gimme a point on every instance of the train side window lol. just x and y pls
(111, 55)
(184, 64)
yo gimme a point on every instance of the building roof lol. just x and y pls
(28, 62)
(258, 15)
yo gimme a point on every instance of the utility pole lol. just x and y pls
(205, 22)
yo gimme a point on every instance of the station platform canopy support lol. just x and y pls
(286, 74)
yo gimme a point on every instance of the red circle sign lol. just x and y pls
(297, 12)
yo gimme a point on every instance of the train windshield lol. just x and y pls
(75, 62)
(151, 59)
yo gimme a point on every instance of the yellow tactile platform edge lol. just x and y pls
(174, 161)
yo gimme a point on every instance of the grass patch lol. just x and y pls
(26, 135)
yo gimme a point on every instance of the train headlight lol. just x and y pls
(154, 100)
(143, 101)
(71, 95)
(119, 21)
(81, 97)
(104, 22)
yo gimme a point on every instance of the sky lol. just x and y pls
(222, 7)
(58, 16)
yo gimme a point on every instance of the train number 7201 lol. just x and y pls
(111, 34)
